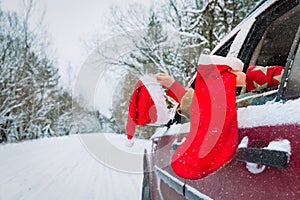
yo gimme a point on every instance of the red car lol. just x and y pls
(268, 36)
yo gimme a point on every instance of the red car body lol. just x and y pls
(263, 118)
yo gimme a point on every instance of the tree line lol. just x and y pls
(32, 102)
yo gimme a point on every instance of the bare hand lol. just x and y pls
(240, 78)
(165, 80)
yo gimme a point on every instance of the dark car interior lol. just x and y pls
(275, 44)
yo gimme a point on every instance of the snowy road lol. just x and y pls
(93, 166)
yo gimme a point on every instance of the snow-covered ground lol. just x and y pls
(92, 166)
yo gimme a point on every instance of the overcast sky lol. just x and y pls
(70, 23)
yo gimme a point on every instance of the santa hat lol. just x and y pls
(147, 105)
(213, 136)
(259, 78)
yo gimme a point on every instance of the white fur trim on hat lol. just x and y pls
(156, 91)
(233, 62)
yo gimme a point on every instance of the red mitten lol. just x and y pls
(259, 77)
(213, 136)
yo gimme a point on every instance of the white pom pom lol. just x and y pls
(129, 143)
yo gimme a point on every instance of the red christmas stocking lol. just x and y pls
(213, 136)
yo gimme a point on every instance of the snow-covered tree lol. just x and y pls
(32, 104)
(27, 79)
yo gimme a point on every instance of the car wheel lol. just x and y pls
(146, 190)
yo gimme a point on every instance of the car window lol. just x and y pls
(292, 90)
(276, 42)
(269, 58)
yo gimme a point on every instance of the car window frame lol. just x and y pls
(285, 87)
(249, 48)
(260, 26)
(225, 48)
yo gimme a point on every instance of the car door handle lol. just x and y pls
(273, 158)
